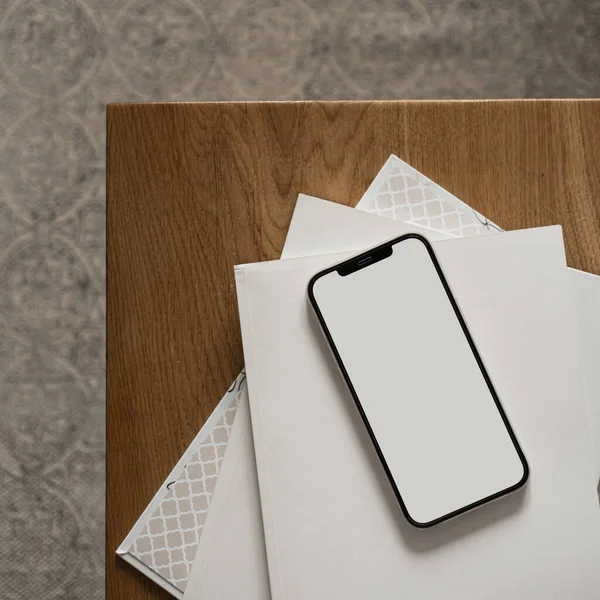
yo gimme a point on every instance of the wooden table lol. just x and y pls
(195, 188)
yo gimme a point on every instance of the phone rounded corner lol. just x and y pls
(420, 524)
(525, 476)
(412, 521)
(310, 287)
(421, 238)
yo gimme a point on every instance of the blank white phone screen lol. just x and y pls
(418, 381)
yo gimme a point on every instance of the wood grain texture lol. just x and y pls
(195, 188)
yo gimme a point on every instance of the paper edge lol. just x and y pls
(153, 575)
(256, 422)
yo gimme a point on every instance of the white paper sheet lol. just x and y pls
(586, 294)
(327, 513)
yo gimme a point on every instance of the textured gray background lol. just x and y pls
(61, 61)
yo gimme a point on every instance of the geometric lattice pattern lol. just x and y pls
(167, 543)
(401, 193)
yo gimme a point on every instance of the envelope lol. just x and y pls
(331, 525)
(324, 225)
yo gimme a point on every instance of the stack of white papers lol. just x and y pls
(302, 509)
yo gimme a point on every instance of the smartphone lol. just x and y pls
(420, 385)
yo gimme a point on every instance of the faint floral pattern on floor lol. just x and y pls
(61, 61)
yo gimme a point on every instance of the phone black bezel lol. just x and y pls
(351, 265)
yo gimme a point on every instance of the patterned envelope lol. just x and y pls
(163, 542)
(401, 193)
